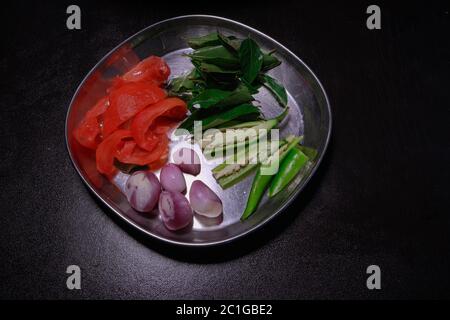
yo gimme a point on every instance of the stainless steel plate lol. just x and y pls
(309, 115)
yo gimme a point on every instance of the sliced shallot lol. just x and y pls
(172, 178)
(142, 190)
(204, 201)
(188, 161)
(176, 213)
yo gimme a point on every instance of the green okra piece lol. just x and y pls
(264, 125)
(236, 177)
(294, 161)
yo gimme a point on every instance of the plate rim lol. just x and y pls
(255, 227)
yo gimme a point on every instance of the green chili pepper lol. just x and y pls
(261, 181)
(309, 152)
(295, 160)
(256, 193)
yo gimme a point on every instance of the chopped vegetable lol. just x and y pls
(252, 134)
(232, 171)
(147, 131)
(152, 69)
(88, 131)
(204, 201)
(142, 190)
(261, 180)
(310, 152)
(295, 160)
(172, 178)
(131, 153)
(176, 213)
(127, 100)
(107, 151)
(128, 127)
(236, 176)
(187, 160)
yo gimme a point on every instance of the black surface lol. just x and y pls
(379, 197)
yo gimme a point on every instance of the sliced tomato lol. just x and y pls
(158, 164)
(162, 124)
(88, 130)
(131, 153)
(128, 100)
(108, 149)
(152, 69)
(170, 108)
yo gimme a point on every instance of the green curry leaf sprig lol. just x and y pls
(227, 72)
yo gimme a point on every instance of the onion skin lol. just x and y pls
(176, 213)
(204, 201)
(187, 160)
(142, 191)
(172, 178)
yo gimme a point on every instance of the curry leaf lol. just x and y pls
(217, 55)
(208, 98)
(270, 62)
(188, 123)
(231, 43)
(184, 82)
(240, 95)
(228, 115)
(211, 68)
(211, 39)
(251, 59)
(276, 88)
(220, 98)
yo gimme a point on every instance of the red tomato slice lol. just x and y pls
(162, 124)
(107, 150)
(88, 130)
(158, 164)
(152, 69)
(128, 100)
(133, 154)
(170, 108)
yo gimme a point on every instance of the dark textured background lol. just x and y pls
(379, 197)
